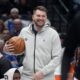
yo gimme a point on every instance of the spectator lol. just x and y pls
(14, 14)
(24, 8)
(71, 43)
(12, 74)
(4, 34)
(18, 26)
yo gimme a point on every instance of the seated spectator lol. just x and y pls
(4, 34)
(12, 74)
(14, 14)
(18, 26)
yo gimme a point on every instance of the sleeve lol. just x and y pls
(22, 33)
(56, 56)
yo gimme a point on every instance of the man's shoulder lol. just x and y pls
(53, 30)
(26, 28)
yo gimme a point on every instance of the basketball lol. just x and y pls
(18, 43)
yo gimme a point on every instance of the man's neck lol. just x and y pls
(37, 28)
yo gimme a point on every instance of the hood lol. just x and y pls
(47, 24)
(9, 74)
(20, 69)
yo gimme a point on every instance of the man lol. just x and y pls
(42, 48)
(71, 43)
(18, 26)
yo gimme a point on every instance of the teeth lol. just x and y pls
(40, 21)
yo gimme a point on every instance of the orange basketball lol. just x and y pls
(19, 44)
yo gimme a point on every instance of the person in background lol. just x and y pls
(14, 14)
(4, 34)
(42, 48)
(18, 26)
(12, 74)
(71, 42)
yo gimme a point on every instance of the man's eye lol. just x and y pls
(38, 15)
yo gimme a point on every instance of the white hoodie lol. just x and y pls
(20, 69)
(9, 74)
(47, 49)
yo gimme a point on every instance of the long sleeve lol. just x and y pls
(56, 56)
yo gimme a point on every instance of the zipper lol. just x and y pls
(35, 33)
(34, 53)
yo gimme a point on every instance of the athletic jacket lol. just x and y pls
(42, 52)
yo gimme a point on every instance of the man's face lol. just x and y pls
(39, 17)
(14, 15)
(18, 25)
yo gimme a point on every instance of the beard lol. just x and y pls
(39, 23)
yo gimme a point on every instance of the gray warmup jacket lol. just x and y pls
(42, 52)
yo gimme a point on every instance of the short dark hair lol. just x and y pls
(42, 8)
(17, 71)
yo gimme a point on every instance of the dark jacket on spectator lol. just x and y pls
(71, 43)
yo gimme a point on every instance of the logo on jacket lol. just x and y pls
(25, 39)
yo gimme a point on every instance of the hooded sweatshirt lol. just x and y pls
(20, 69)
(42, 52)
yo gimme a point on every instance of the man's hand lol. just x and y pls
(38, 76)
(8, 47)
